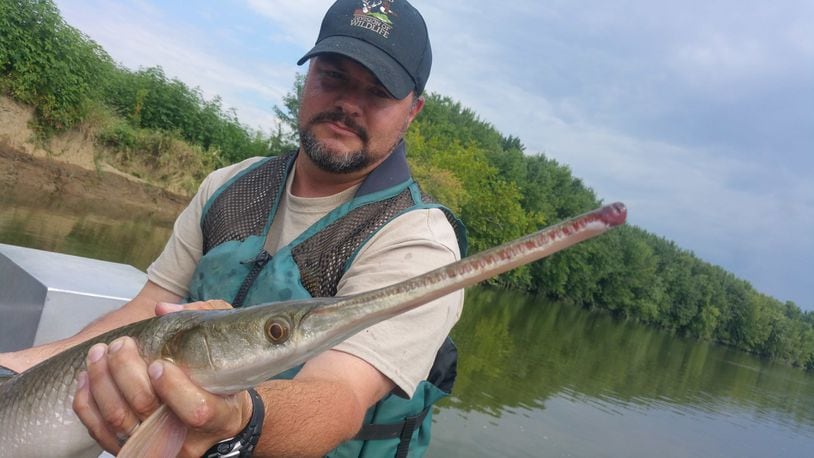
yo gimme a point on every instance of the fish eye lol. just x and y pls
(277, 331)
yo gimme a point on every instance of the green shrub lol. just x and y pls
(47, 63)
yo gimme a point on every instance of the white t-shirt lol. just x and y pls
(403, 348)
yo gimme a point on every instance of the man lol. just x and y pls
(340, 216)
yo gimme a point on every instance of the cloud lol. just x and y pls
(298, 21)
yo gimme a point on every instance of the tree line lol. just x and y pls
(500, 190)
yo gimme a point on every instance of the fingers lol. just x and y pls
(87, 411)
(115, 394)
(129, 371)
(163, 308)
(210, 417)
(105, 391)
(119, 390)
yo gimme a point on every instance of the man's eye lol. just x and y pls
(380, 92)
(334, 75)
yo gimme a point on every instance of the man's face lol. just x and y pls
(348, 121)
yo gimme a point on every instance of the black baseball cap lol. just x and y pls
(388, 37)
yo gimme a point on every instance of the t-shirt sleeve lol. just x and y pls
(173, 268)
(175, 265)
(403, 348)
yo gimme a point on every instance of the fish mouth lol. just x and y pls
(613, 214)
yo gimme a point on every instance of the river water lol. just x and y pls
(536, 378)
(547, 379)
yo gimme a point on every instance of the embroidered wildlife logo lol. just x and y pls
(380, 10)
(374, 16)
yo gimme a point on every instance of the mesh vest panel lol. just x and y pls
(243, 208)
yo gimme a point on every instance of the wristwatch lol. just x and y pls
(243, 444)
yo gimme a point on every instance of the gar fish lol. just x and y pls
(227, 351)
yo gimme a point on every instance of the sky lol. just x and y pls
(698, 115)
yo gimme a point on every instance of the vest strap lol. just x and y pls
(407, 434)
(403, 430)
(257, 263)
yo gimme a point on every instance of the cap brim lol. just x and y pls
(390, 73)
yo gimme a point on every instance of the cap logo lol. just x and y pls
(374, 16)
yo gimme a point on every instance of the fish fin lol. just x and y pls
(161, 435)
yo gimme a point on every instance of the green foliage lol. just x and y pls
(440, 183)
(158, 156)
(448, 139)
(47, 63)
(148, 99)
(288, 130)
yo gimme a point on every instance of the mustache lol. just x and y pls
(338, 116)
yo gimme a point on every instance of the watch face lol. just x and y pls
(225, 448)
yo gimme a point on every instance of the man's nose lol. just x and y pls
(352, 100)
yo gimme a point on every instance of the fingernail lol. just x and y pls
(156, 370)
(81, 380)
(116, 345)
(96, 352)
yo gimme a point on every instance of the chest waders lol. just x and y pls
(235, 267)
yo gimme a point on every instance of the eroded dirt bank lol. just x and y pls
(66, 166)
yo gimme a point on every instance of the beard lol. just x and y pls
(331, 160)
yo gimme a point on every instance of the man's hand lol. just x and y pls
(112, 412)
(163, 308)
(119, 391)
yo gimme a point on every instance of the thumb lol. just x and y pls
(196, 407)
(163, 308)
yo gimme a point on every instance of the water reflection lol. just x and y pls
(53, 224)
(555, 378)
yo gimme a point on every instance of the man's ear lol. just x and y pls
(416, 107)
